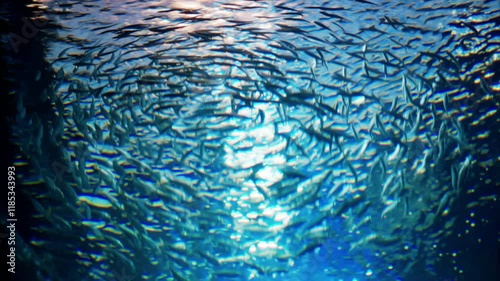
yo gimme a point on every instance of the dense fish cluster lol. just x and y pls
(225, 140)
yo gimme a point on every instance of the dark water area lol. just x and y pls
(16, 69)
(461, 243)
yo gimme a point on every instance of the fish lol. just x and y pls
(222, 140)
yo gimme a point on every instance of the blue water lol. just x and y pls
(216, 175)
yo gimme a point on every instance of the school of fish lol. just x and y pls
(225, 140)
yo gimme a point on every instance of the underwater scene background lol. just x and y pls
(252, 140)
